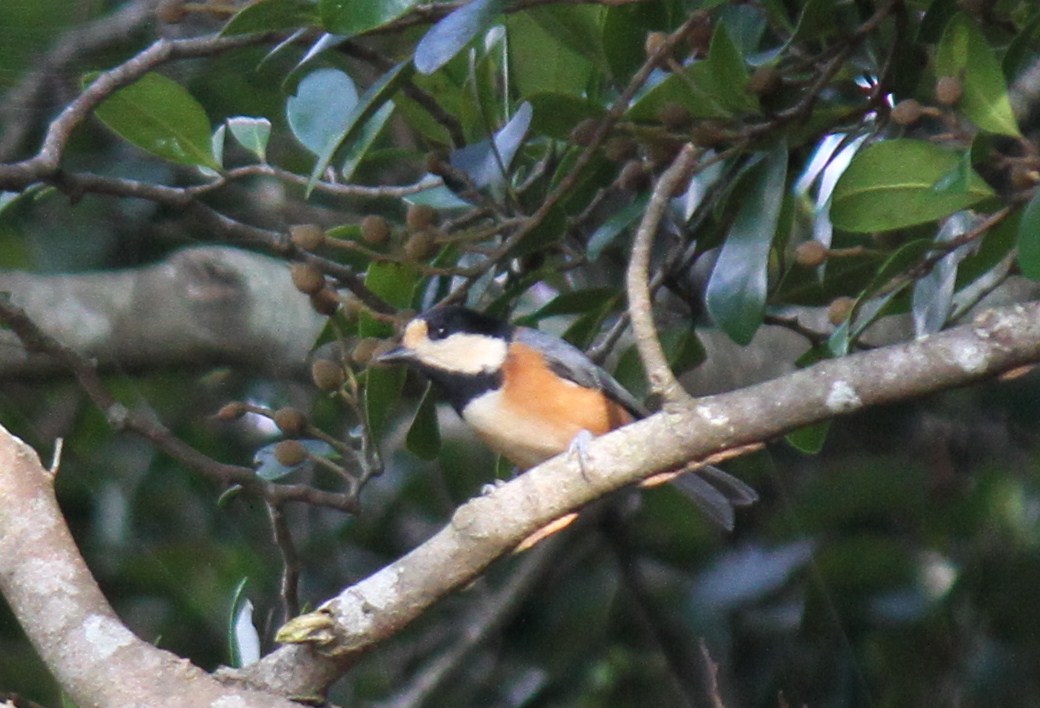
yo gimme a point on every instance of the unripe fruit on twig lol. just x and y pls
(290, 453)
(675, 116)
(765, 81)
(363, 351)
(327, 375)
(420, 216)
(810, 254)
(307, 236)
(655, 42)
(620, 148)
(840, 309)
(907, 112)
(634, 177)
(290, 421)
(307, 279)
(949, 90)
(421, 245)
(374, 229)
(325, 302)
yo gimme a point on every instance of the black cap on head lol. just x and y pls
(442, 322)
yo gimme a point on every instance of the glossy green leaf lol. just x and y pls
(351, 17)
(483, 163)
(243, 639)
(541, 63)
(395, 283)
(736, 291)
(251, 133)
(424, 434)
(321, 109)
(1029, 239)
(964, 53)
(270, 16)
(892, 184)
(574, 303)
(608, 231)
(159, 115)
(365, 138)
(576, 27)
(447, 38)
(556, 114)
(370, 102)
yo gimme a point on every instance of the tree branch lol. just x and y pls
(706, 429)
(640, 306)
(91, 653)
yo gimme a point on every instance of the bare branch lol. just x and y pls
(640, 305)
(48, 587)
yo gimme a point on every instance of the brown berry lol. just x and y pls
(231, 411)
(810, 253)
(620, 148)
(375, 229)
(290, 452)
(765, 81)
(840, 309)
(325, 302)
(290, 421)
(948, 91)
(655, 43)
(634, 177)
(363, 350)
(709, 133)
(420, 216)
(307, 236)
(675, 116)
(907, 112)
(307, 278)
(699, 33)
(327, 375)
(662, 152)
(421, 245)
(583, 133)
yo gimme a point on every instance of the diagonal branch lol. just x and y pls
(490, 526)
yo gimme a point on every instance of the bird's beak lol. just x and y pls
(397, 355)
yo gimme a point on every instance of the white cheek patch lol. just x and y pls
(462, 353)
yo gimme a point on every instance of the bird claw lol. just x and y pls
(579, 448)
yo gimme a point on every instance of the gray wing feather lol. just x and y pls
(572, 364)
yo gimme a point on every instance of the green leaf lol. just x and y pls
(964, 53)
(158, 115)
(736, 291)
(556, 114)
(271, 15)
(577, 27)
(393, 282)
(715, 87)
(251, 133)
(892, 184)
(424, 434)
(447, 38)
(1029, 239)
(540, 63)
(573, 303)
(321, 109)
(609, 230)
(365, 138)
(372, 100)
(810, 439)
(351, 17)
(243, 639)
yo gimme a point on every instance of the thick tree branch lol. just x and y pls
(490, 526)
(94, 657)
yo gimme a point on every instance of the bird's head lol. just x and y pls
(453, 340)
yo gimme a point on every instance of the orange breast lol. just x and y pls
(535, 414)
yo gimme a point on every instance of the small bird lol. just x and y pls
(528, 395)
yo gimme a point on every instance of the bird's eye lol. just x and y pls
(439, 332)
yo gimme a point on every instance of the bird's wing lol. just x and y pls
(569, 362)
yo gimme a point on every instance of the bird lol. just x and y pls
(530, 396)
